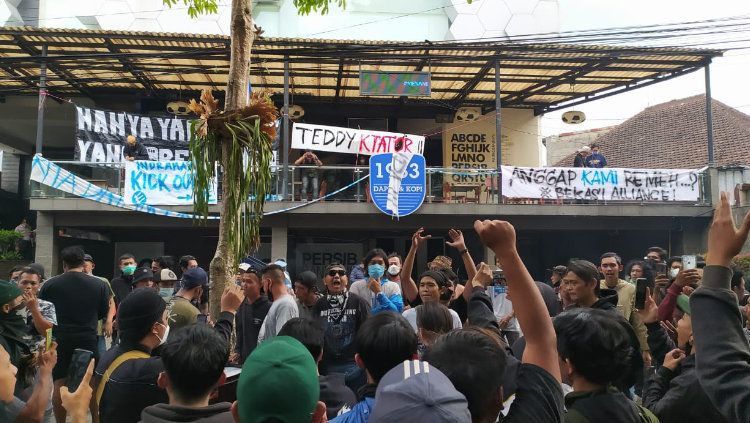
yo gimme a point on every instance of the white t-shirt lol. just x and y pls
(281, 311)
(501, 305)
(411, 316)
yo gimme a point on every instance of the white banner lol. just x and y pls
(608, 184)
(166, 183)
(353, 141)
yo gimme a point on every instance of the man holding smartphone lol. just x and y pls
(611, 266)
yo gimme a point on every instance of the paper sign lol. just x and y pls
(608, 184)
(353, 141)
(161, 183)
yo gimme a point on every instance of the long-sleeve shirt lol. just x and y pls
(137, 151)
(723, 354)
(668, 304)
(389, 298)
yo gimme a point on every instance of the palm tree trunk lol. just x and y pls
(242, 36)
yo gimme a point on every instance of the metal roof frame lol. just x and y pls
(165, 65)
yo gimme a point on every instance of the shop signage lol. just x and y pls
(161, 183)
(316, 257)
(409, 84)
(101, 135)
(608, 184)
(353, 141)
(397, 182)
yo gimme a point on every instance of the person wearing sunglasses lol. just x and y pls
(341, 314)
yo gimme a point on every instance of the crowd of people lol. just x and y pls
(375, 344)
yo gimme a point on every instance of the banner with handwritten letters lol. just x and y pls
(47, 173)
(608, 184)
(161, 183)
(101, 135)
(353, 141)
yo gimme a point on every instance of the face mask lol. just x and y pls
(128, 270)
(166, 335)
(394, 270)
(673, 273)
(376, 270)
(166, 292)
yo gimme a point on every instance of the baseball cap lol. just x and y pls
(281, 263)
(333, 266)
(8, 292)
(683, 303)
(248, 268)
(263, 386)
(194, 277)
(165, 275)
(420, 391)
(142, 274)
(308, 279)
(87, 257)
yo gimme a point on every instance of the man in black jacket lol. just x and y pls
(582, 285)
(134, 150)
(250, 314)
(723, 359)
(673, 393)
(193, 361)
(341, 313)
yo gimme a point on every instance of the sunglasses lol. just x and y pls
(333, 273)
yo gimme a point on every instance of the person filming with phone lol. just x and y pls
(611, 266)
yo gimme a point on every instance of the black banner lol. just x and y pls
(101, 135)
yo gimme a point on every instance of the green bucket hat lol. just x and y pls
(8, 292)
(278, 381)
(683, 303)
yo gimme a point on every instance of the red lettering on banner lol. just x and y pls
(363, 143)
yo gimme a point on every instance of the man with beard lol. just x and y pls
(341, 314)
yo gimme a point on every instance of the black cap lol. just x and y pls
(87, 257)
(308, 279)
(142, 274)
(140, 309)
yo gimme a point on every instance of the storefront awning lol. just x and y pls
(542, 77)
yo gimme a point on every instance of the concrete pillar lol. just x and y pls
(279, 243)
(46, 248)
(714, 190)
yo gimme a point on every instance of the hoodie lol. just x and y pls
(165, 413)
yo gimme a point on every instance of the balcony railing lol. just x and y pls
(346, 184)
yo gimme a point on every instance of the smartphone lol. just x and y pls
(689, 262)
(640, 292)
(661, 269)
(79, 363)
(497, 277)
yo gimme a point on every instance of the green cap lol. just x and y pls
(278, 381)
(8, 292)
(683, 303)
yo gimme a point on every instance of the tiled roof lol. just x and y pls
(673, 135)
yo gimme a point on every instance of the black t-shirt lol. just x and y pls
(539, 397)
(80, 302)
(249, 320)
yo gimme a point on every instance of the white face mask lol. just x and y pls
(166, 335)
(394, 270)
(673, 272)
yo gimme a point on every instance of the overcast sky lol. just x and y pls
(729, 74)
